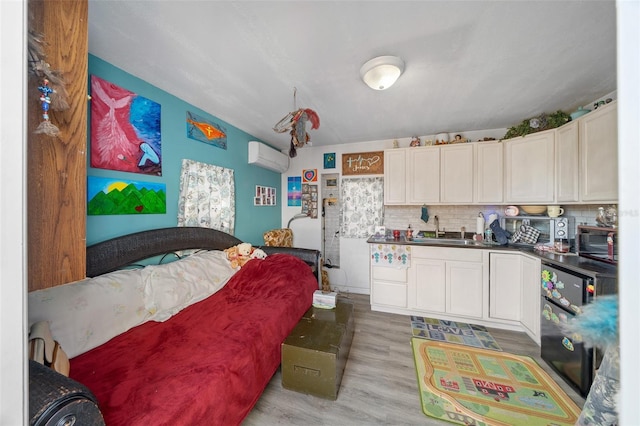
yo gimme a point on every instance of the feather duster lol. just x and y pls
(597, 324)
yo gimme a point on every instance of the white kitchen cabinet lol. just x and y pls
(448, 281)
(489, 180)
(429, 276)
(395, 176)
(599, 154)
(457, 173)
(530, 168)
(567, 163)
(530, 302)
(464, 283)
(389, 286)
(412, 176)
(423, 175)
(505, 287)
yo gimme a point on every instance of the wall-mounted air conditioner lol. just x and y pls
(264, 156)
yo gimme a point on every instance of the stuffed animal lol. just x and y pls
(242, 253)
(258, 254)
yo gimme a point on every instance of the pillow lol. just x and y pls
(171, 287)
(87, 313)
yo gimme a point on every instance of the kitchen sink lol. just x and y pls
(447, 241)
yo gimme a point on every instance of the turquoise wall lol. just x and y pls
(251, 221)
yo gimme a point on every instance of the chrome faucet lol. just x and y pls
(437, 223)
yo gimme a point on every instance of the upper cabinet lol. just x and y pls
(411, 176)
(575, 163)
(529, 168)
(395, 176)
(599, 154)
(567, 163)
(489, 180)
(423, 175)
(457, 173)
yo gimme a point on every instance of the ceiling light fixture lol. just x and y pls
(380, 73)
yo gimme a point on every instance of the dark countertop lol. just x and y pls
(570, 260)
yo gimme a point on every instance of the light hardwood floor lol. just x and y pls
(379, 386)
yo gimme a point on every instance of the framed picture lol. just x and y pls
(265, 196)
(330, 160)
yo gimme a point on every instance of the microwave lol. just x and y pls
(551, 228)
(598, 243)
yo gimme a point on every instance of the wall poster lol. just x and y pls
(363, 163)
(294, 191)
(125, 130)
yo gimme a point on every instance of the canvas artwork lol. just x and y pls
(330, 160)
(109, 196)
(206, 131)
(125, 130)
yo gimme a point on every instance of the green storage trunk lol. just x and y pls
(315, 353)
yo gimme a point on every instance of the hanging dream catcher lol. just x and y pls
(295, 123)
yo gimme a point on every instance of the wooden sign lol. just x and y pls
(363, 163)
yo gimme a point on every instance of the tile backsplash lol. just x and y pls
(452, 218)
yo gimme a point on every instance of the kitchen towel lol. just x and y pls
(425, 214)
(502, 236)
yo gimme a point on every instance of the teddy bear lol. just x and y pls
(258, 254)
(242, 253)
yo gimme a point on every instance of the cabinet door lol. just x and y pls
(464, 288)
(567, 163)
(530, 303)
(489, 175)
(388, 286)
(456, 173)
(395, 176)
(505, 272)
(423, 179)
(430, 284)
(529, 168)
(599, 154)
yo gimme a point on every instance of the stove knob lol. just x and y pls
(561, 224)
(561, 233)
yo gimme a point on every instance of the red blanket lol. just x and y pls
(210, 362)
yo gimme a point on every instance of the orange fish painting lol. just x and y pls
(203, 130)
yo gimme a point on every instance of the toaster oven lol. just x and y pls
(551, 228)
(598, 243)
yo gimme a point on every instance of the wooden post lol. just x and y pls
(56, 180)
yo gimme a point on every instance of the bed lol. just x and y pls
(203, 361)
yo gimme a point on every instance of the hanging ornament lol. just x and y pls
(46, 127)
(296, 122)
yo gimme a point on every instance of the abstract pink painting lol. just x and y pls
(125, 130)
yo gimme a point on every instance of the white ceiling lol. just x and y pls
(470, 65)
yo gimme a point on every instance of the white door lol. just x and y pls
(464, 288)
(430, 284)
(489, 180)
(529, 168)
(505, 272)
(395, 176)
(423, 179)
(456, 173)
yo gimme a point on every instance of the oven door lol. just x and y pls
(570, 359)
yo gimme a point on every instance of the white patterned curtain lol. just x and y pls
(362, 206)
(207, 196)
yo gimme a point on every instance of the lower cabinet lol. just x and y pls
(447, 281)
(514, 288)
(493, 288)
(389, 286)
(505, 271)
(530, 302)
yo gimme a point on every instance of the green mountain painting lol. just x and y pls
(107, 196)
